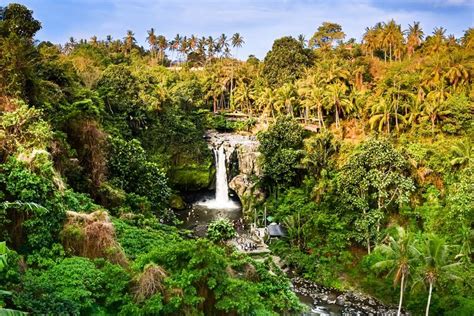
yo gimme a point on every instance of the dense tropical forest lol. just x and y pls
(367, 160)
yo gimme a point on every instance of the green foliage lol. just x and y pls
(74, 286)
(374, 181)
(326, 34)
(36, 204)
(281, 147)
(331, 196)
(130, 170)
(119, 91)
(221, 230)
(198, 268)
(18, 20)
(285, 61)
(23, 130)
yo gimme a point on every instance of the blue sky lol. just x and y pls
(259, 21)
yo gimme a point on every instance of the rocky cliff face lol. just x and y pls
(243, 167)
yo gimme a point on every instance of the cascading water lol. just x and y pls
(221, 199)
(222, 187)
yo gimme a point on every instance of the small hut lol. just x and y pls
(276, 230)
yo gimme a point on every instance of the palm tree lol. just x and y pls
(162, 46)
(183, 47)
(153, 41)
(468, 38)
(93, 41)
(192, 43)
(458, 70)
(463, 153)
(70, 45)
(311, 93)
(243, 96)
(436, 264)
(237, 41)
(211, 47)
(129, 41)
(175, 42)
(435, 107)
(399, 256)
(335, 97)
(222, 43)
(381, 114)
(286, 97)
(265, 101)
(301, 38)
(437, 42)
(414, 38)
(393, 36)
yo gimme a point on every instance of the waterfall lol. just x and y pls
(221, 199)
(222, 187)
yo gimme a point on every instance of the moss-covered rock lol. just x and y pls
(191, 178)
(177, 202)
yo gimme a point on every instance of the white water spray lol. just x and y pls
(222, 188)
(221, 200)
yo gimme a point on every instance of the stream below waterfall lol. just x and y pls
(207, 206)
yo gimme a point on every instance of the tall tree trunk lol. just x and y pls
(429, 300)
(232, 87)
(401, 294)
(388, 123)
(433, 126)
(320, 118)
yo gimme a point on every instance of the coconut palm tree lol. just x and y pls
(286, 97)
(244, 96)
(211, 47)
(414, 38)
(93, 41)
(201, 47)
(130, 41)
(399, 257)
(301, 38)
(265, 101)
(335, 98)
(468, 39)
(458, 71)
(222, 43)
(162, 44)
(369, 41)
(237, 41)
(311, 93)
(70, 45)
(175, 42)
(192, 42)
(437, 42)
(436, 264)
(381, 114)
(183, 47)
(435, 107)
(463, 153)
(152, 41)
(393, 37)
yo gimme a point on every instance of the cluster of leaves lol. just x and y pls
(221, 230)
(352, 196)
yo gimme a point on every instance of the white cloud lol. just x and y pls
(259, 21)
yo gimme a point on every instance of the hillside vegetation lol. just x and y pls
(367, 159)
